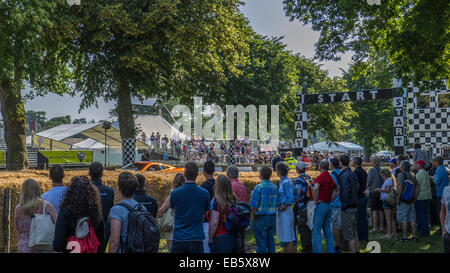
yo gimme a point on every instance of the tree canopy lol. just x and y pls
(414, 34)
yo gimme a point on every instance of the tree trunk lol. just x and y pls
(13, 112)
(125, 109)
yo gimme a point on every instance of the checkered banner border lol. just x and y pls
(128, 150)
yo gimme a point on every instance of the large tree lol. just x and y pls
(373, 126)
(414, 34)
(143, 48)
(272, 75)
(329, 119)
(28, 50)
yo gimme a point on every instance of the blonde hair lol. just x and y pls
(224, 193)
(30, 195)
(387, 174)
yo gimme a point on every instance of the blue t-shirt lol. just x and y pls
(190, 202)
(286, 193)
(55, 196)
(441, 180)
(120, 213)
(336, 203)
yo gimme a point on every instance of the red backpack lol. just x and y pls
(84, 240)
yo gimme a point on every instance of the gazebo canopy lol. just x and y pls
(54, 137)
(344, 147)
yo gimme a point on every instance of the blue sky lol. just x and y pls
(266, 17)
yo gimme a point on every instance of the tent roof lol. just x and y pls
(90, 130)
(89, 144)
(156, 123)
(337, 147)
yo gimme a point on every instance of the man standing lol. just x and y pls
(143, 198)
(303, 195)
(394, 167)
(336, 211)
(440, 179)
(106, 194)
(264, 205)
(362, 226)
(241, 193)
(57, 193)
(375, 181)
(420, 154)
(190, 203)
(325, 190)
(208, 171)
(290, 161)
(406, 212)
(276, 158)
(423, 200)
(349, 200)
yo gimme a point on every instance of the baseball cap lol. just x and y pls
(420, 162)
(300, 165)
(394, 160)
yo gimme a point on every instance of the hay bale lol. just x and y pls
(158, 185)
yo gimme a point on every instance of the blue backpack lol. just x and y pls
(408, 191)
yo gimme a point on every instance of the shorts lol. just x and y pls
(386, 205)
(349, 224)
(375, 201)
(406, 212)
(336, 218)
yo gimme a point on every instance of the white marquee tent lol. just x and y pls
(54, 138)
(156, 123)
(344, 147)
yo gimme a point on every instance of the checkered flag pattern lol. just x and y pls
(128, 150)
(429, 126)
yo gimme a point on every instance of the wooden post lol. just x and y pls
(7, 221)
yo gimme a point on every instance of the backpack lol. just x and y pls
(143, 233)
(308, 195)
(84, 240)
(410, 190)
(238, 217)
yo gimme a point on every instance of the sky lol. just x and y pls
(266, 17)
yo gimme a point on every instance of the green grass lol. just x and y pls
(432, 244)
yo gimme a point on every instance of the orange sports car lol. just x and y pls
(151, 167)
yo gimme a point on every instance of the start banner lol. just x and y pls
(67, 157)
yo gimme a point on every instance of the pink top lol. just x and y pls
(239, 189)
(23, 223)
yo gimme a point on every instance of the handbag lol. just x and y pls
(391, 198)
(42, 231)
(167, 221)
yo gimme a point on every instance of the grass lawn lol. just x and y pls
(432, 244)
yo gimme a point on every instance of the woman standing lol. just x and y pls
(386, 188)
(30, 204)
(81, 200)
(285, 215)
(220, 239)
(177, 182)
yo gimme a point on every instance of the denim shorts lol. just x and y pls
(406, 212)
